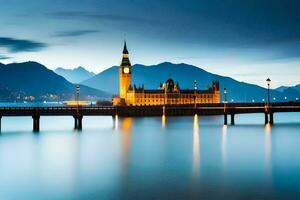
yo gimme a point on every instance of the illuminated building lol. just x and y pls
(168, 93)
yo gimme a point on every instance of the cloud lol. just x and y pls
(17, 45)
(4, 57)
(110, 17)
(74, 33)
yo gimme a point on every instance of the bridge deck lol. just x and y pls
(201, 109)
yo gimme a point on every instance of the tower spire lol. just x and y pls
(125, 51)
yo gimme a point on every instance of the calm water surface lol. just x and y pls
(150, 158)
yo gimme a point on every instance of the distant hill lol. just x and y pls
(76, 75)
(282, 88)
(152, 76)
(292, 92)
(34, 79)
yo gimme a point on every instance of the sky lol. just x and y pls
(248, 40)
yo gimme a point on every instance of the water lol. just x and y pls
(151, 158)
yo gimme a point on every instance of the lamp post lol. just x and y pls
(77, 95)
(225, 102)
(225, 99)
(225, 95)
(195, 93)
(268, 83)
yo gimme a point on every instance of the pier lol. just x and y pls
(227, 109)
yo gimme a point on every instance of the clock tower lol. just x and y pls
(125, 73)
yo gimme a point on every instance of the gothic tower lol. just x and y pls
(125, 73)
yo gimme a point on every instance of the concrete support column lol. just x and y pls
(75, 122)
(36, 123)
(225, 118)
(78, 122)
(232, 119)
(266, 118)
(271, 118)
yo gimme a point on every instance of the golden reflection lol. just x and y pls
(268, 148)
(126, 133)
(116, 122)
(126, 125)
(224, 145)
(196, 147)
(163, 121)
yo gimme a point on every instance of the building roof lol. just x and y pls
(125, 51)
(161, 91)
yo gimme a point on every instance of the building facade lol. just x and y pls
(168, 93)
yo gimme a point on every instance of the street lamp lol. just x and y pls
(77, 94)
(195, 93)
(268, 83)
(225, 95)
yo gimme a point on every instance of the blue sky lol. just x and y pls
(248, 40)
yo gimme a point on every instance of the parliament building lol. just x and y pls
(168, 93)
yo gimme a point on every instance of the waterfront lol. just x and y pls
(151, 158)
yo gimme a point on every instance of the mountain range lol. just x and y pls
(31, 80)
(75, 75)
(22, 80)
(184, 74)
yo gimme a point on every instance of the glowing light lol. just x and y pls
(163, 121)
(76, 103)
(116, 122)
(196, 147)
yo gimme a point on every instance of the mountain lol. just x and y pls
(291, 92)
(297, 87)
(152, 76)
(282, 88)
(20, 80)
(76, 75)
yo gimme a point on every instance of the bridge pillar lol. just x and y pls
(271, 118)
(78, 122)
(75, 122)
(266, 118)
(232, 119)
(0, 123)
(225, 118)
(36, 123)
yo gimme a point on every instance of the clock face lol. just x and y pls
(126, 70)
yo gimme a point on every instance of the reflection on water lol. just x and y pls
(268, 150)
(163, 121)
(126, 148)
(196, 148)
(224, 146)
(132, 158)
(116, 122)
(126, 135)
